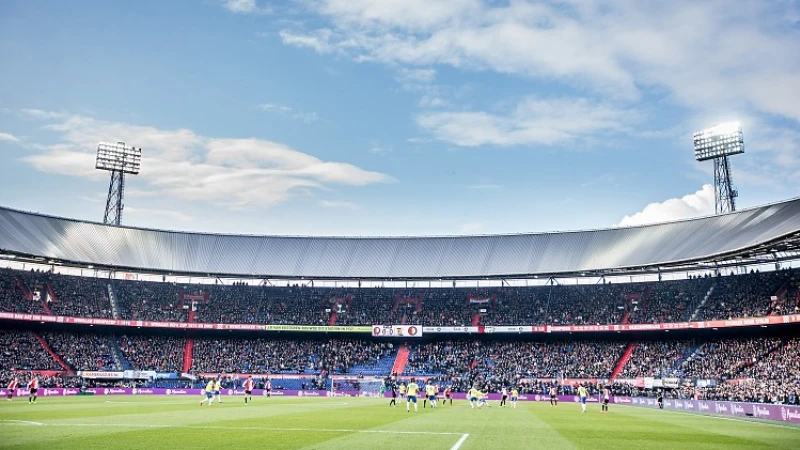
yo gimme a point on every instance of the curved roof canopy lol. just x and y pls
(747, 232)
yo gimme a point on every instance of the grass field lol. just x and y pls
(354, 423)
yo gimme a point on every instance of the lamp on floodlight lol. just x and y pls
(119, 159)
(718, 143)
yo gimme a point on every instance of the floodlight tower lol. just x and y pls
(717, 143)
(118, 159)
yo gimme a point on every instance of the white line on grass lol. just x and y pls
(26, 422)
(219, 427)
(460, 441)
(734, 419)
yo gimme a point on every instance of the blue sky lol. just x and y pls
(395, 117)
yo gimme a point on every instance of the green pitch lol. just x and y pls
(103, 422)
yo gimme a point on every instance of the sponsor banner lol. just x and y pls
(97, 374)
(782, 413)
(320, 328)
(139, 374)
(748, 322)
(397, 330)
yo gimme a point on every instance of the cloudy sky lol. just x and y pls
(395, 117)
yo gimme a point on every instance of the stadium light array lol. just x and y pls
(118, 158)
(725, 139)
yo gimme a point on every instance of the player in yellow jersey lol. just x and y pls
(209, 392)
(402, 391)
(473, 397)
(413, 388)
(514, 395)
(218, 388)
(430, 392)
(582, 393)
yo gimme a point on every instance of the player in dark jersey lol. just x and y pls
(448, 395)
(553, 396)
(394, 396)
(660, 400)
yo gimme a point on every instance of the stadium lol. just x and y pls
(623, 309)
(400, 224)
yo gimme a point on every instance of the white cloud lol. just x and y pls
(701, 203)
(338, 204)
(244, 6)
(41, 114)
(613, 47)
(184, 165)
(318, 40)
(288, 111)
(532, 121)
(8, 137)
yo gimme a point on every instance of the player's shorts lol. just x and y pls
(34, 391)
(446, 395)
(247, 392)
(412, 398)
(209, 395)
(605, 401)
(216, 392)
(505, 397)
(583, 399)
(553, 397)
(513, 399)
(473, 399)
(432, 398)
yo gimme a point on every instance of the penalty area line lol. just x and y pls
(460, 441)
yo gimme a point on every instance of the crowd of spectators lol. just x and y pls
(725, 359)
(159, 353)
(743, 295)
(83, 351)
(138, 300)
(20, 350)
(736, 296)
(12, 298)
(657, 359)
(334, 356)
(504, 363)
(79, 297)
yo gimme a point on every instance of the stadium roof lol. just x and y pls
(761, 232)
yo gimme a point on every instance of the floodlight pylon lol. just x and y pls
(718, 143)
(119, 159)
(724, 192)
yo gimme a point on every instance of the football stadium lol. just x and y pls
(372, 262)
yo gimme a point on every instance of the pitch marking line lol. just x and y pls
(734, 419)
(22, 422)
(460, 441)
(219, 427)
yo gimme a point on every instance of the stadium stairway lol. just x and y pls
(401, 360)
(332, 320)
(623, 360)
(51, 293)
(53, 354)
(476, 319)
(189, 348)
(709, 293)
(25, 289)
(112, 298)
(119, 357)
